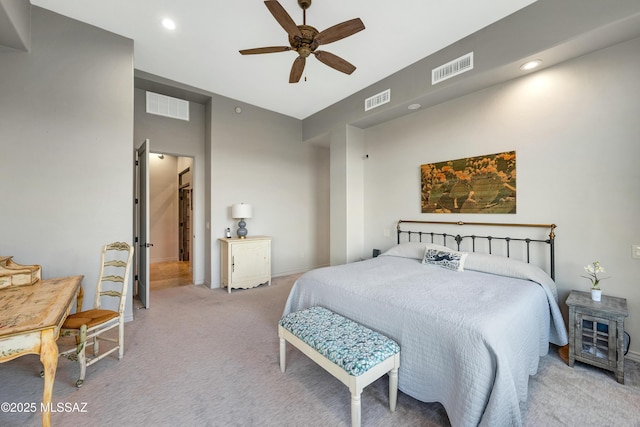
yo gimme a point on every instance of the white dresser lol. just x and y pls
(245, 263)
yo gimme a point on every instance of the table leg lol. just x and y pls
(49, 359)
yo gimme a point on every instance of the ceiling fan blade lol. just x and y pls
(283, 18)
(334, 61)
(270, 49)
(340, 31)
(297, 69)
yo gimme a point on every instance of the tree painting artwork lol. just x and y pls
(483, 184)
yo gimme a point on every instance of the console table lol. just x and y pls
(30, 320)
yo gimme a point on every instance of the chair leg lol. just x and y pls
(121, 339)
(96, 348)
(82, 359)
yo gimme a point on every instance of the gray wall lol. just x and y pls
(67, 135)
(15, 25)
(254, 157)
(576, 133)
(257, 157)
(66, 156)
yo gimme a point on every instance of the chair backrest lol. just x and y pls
(113, 280)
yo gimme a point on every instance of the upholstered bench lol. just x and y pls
(352, 353)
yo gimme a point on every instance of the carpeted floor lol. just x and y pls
(202, 357)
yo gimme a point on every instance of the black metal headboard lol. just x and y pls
(458, 238)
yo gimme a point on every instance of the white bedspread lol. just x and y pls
(468, 340)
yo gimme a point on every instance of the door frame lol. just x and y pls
(139, 219)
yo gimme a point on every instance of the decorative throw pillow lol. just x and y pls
(448, 259)
(412, 250)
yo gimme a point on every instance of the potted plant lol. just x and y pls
(592, 274)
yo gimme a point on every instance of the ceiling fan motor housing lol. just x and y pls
(306, 44)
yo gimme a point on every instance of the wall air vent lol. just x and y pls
(452, 68)
(167, 106)
(377, 100)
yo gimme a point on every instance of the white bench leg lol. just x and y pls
(355, 383)
(393, 388)
(355, 409)
(283, 354)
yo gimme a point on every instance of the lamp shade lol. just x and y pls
(241, 210)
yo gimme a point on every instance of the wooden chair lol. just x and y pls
(88, 326)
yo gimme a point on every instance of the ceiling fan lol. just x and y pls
(304, 39)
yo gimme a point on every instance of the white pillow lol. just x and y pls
(452, 260)
(413, 250)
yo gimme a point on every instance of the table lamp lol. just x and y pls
(241, 211)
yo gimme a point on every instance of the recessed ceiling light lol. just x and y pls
(530, 65)
(413, 106)
(168, 24)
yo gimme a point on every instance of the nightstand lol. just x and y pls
(245, 263)
(596, 331)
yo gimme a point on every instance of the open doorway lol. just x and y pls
(170, 221)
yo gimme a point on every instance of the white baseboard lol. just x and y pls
(167, 259)
(287, 273)
(632, 355)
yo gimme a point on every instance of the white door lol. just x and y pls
(142, 221)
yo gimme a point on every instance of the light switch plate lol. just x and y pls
(635, 251)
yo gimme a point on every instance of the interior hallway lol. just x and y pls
(169, 274)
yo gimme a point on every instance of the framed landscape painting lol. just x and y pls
(483, 184)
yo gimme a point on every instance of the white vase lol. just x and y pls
(596, 294)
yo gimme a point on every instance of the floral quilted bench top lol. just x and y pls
(353, 347)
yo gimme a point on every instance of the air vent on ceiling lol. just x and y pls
(167, 106)
(377, 100)
(452, 68)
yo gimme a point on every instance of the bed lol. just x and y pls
(472, 319)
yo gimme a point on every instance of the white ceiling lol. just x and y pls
(203, 50)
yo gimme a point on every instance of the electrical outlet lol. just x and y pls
(387, 232)
(635, 251)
